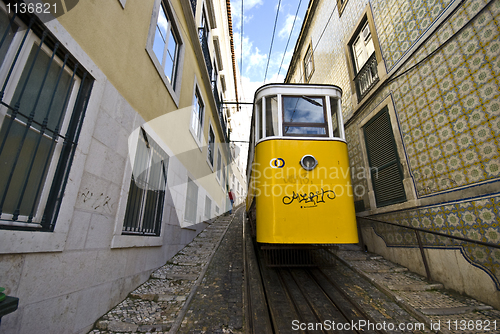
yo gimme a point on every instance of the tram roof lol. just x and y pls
(292, 88)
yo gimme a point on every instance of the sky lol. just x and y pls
(252, 48)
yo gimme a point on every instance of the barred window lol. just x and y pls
(146, 195)
(44, 95)
(364, 71)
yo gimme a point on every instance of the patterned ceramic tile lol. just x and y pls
(474, 219)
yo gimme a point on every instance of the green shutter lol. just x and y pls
(385, 169)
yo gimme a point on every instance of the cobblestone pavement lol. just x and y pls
(200, 290)
(429, 303)
(158, 305)
(218, 304)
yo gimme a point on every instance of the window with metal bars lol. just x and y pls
(44, 94)
(385, 168)
(365, 61)
(146, 195)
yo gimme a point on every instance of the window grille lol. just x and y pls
(146, 195)
(385, 168)
(44, 93)
(365, 61)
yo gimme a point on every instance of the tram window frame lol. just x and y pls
(258, 120)
(323, 125)
(335, 122)
(271, 116)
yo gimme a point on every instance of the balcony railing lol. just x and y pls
(367, 77)
(220, 111)
(208, 62)
(204, 47)
(193, 6)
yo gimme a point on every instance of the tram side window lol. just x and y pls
(304, 116)
(271, 116)
(334, 107)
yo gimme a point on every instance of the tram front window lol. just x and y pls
(304, 116)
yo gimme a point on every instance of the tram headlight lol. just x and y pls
(308, 162)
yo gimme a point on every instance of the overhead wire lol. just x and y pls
(272, 39)
(241, 39)
(289, 37)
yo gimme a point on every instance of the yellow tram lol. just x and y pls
(298, 169)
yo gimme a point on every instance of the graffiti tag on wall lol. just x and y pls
(312, 199)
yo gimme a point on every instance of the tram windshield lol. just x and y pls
(304, 116)
(298, 111)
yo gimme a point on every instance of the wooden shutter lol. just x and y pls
(385, 168)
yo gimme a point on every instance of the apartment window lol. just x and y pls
(146, 195)
(44, 95)
(191, 202)
(217, 210)
(208, 207)
(383, 158)
(198, 111)
(165, 45)
(308, 64)
(223, 175)
(211, 146)
(219, 162)
(364, 60)
(341, 5)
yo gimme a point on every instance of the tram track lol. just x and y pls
(305, 300)
(315, 302)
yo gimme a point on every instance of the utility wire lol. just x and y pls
(241, 41)
(272, 39)
(289, 36)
